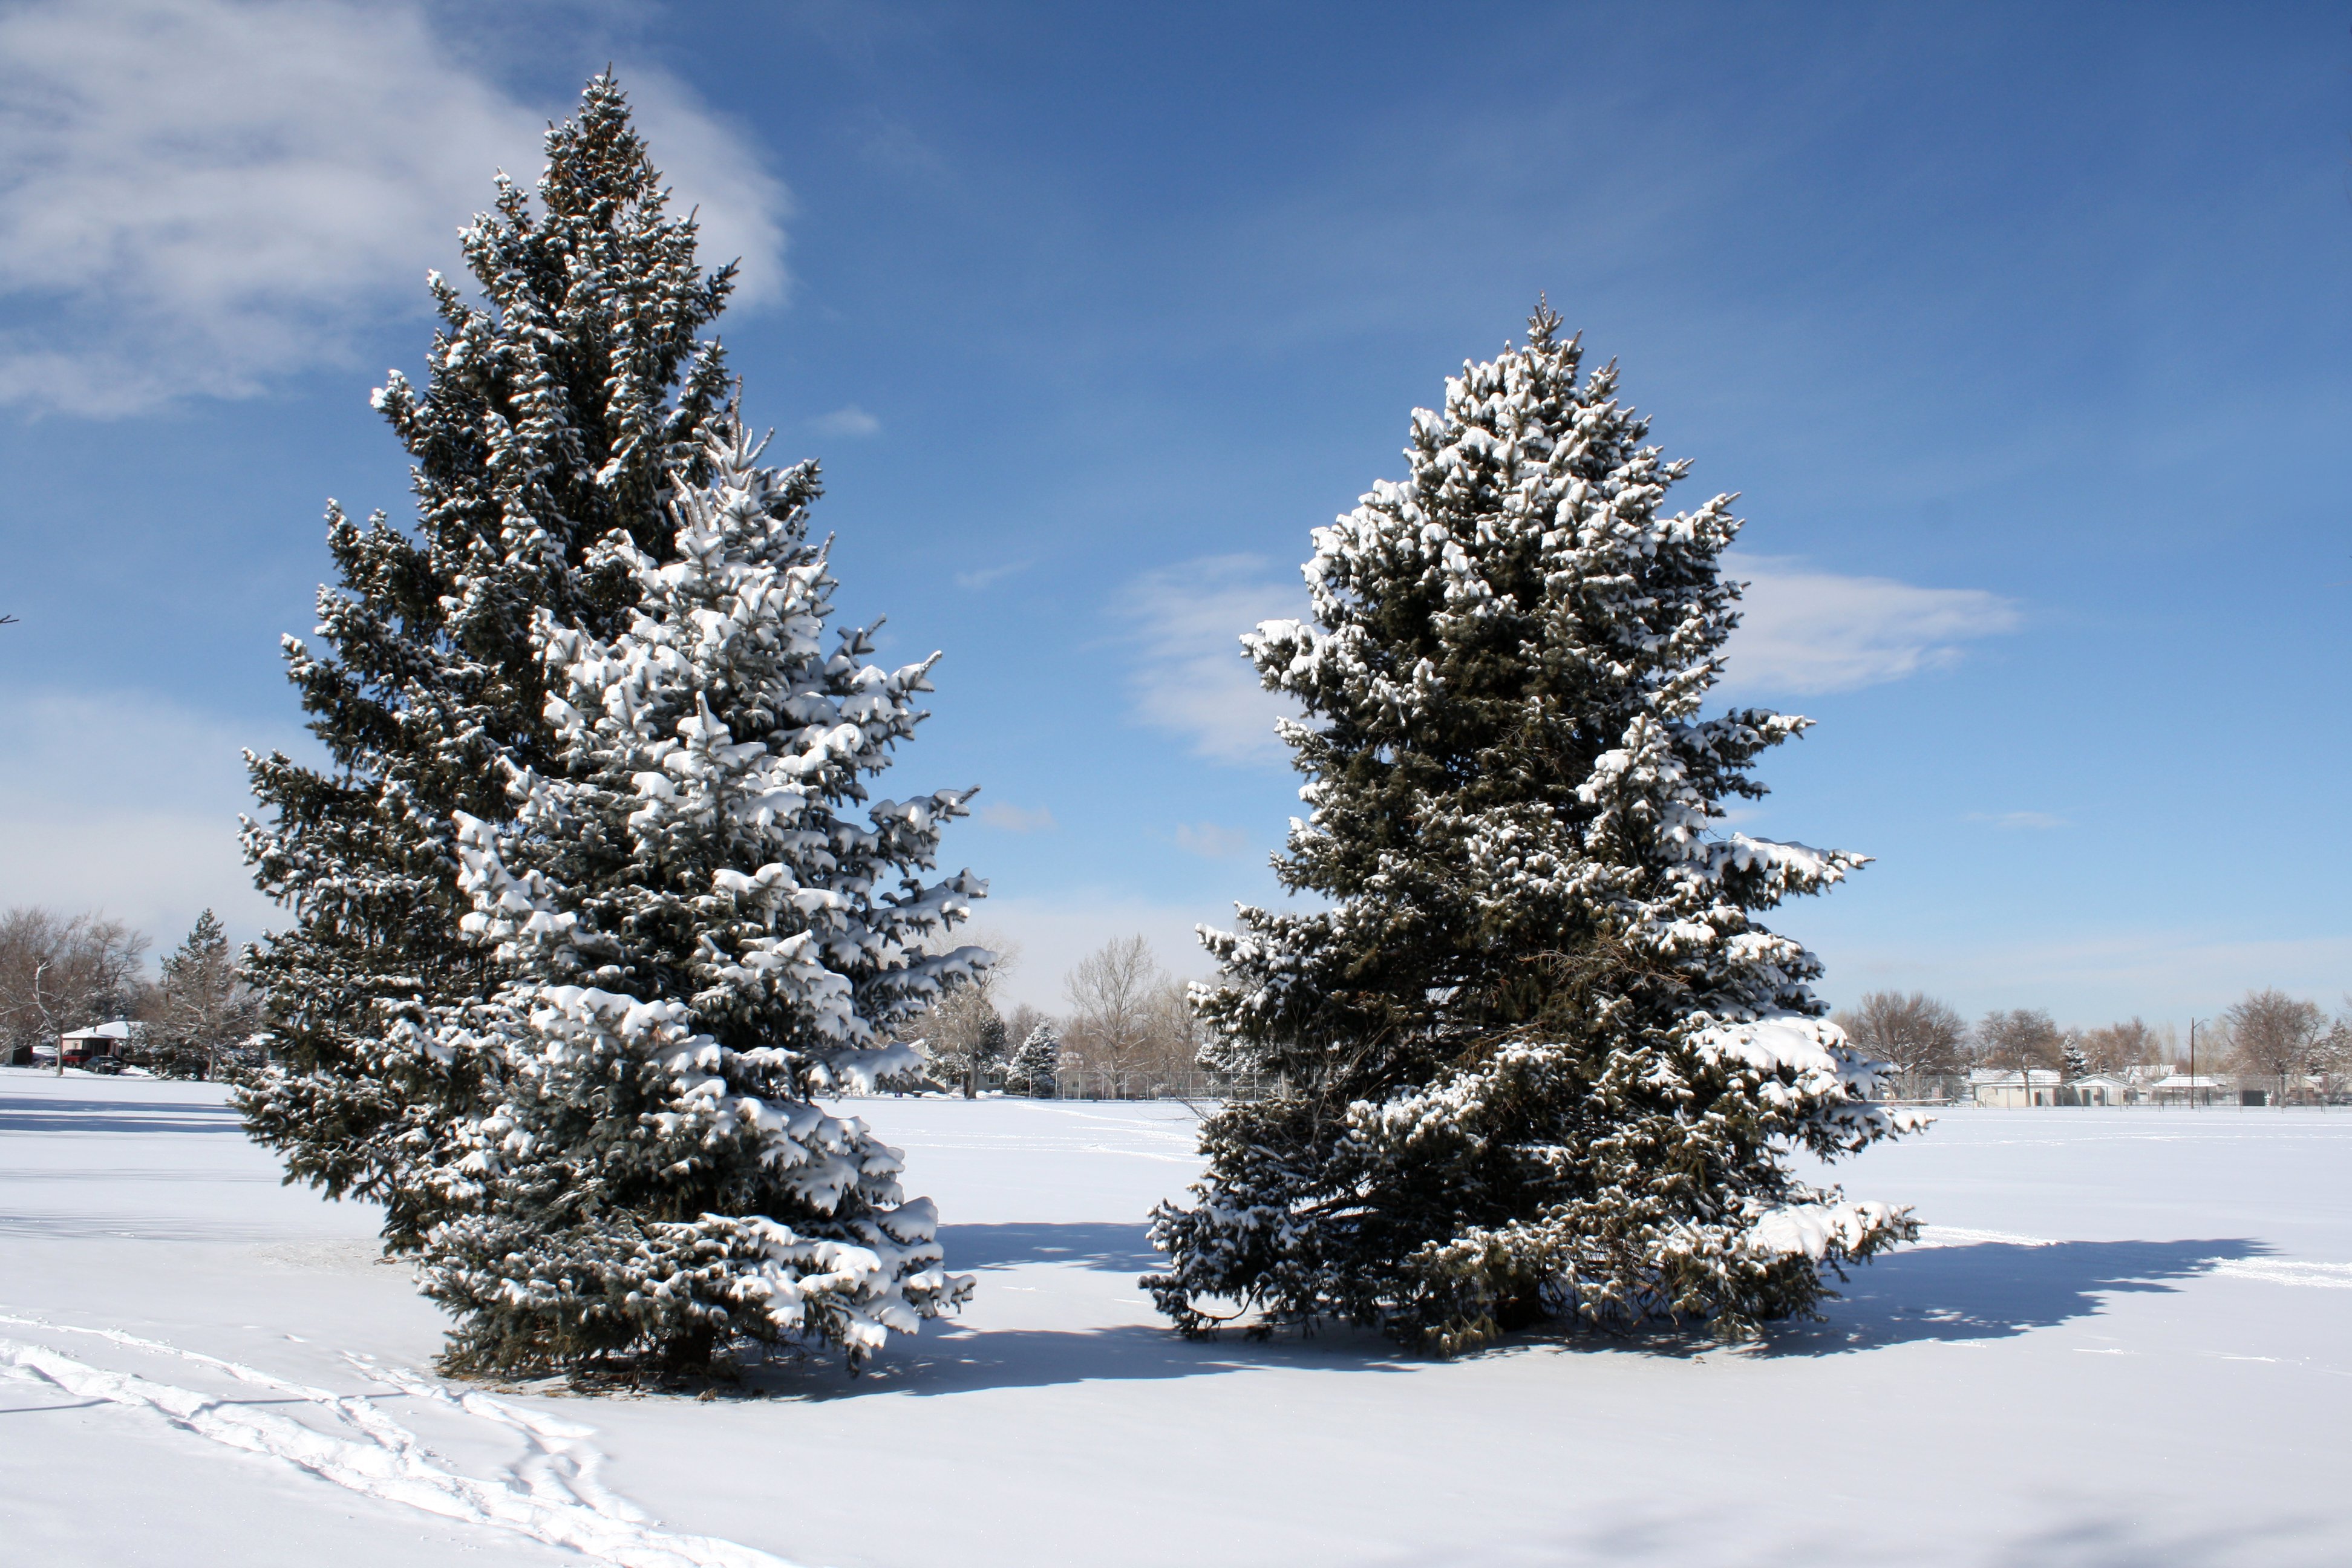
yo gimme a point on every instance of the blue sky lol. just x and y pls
(2022, 331)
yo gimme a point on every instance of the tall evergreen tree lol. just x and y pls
(1539, 1058)
(557, 415)
(700, 941)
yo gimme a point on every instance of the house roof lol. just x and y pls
(117, 1030)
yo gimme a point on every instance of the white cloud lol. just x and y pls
(974, 581)
(1801, 631)
(1193, 679)
(849, 420)
(128, 803)
(1017, 819)
(197, 196)
(1210, 841)
(1806, 632)
(2017, 819)
(714, 169)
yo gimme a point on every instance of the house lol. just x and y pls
(109, 1040)
(2099, 1089)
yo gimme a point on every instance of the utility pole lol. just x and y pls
(49, 1024)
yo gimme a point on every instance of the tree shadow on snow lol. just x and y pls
(1994, 1290)
(951, 1358)
(1986, 1290)
(1112, 1248)
(28, 1113)
(129, 1227)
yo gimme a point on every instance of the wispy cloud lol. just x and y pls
(1800, 632)
(2036, 819)
(1192, 678)
(1017, 819)
(986, 575)
(1210, 841)
(1803, 631)
(847, 420)
(199, 195)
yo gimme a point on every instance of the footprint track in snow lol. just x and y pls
(552, 1494)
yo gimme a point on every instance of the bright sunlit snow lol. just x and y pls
(2122, 1340)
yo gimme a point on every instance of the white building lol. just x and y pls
(2035, 1086)
(2180, 1089)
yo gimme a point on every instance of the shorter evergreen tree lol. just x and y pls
(1536, 1054)
(202, 1018)
(701, 942)
(2072, 1062)
(1033, 1066)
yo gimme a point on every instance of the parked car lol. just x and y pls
(83, 1051)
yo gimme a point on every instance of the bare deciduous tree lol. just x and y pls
(61, 973)
(2271, 1034)
(1918, 1035)
(1127, 1017)
(1110, 992)
(964, 1035)
(2019, 1039)
(1176, 1038)
(2118, 1046)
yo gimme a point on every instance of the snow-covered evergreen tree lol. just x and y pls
(1539, 1058)
(701, 940)
(559, 413)
(201, 1018)
(1033, 1065)
(2072, 1063)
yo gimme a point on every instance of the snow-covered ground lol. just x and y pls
(2126, 1342)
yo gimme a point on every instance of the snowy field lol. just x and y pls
(2129, 1341)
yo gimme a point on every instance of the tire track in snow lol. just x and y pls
(552, 1495)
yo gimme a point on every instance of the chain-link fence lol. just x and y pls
(1144, 1083)
(1123, 1083)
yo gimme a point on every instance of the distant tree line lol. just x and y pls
(2267, 1034)
(1127, 1022)
(197, 1018)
